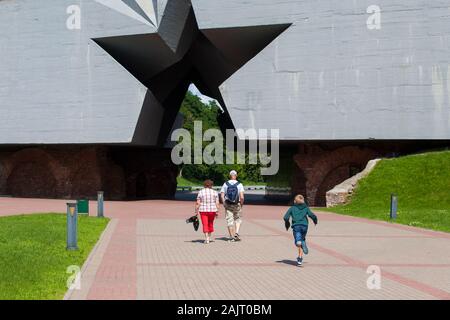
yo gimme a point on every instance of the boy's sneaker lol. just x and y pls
(237, 237)
(299, 261)
(304, 247)
(231, 239)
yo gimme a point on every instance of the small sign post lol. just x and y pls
(72, 226)
(100, 204)
(394, 206)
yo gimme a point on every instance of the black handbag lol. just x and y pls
(194, 220)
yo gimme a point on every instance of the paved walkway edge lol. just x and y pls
(92, 264)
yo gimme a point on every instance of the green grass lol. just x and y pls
(422, 183)
(34, 258)
(183, 182)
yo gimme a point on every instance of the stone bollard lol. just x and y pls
(100, 204)
(72, 226)
(394, 206)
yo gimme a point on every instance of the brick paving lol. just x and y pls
(148, 252)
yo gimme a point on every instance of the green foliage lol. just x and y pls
(422, 183)
(34, 258)
(220, 173)
(193, 109)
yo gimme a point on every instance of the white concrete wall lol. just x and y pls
(327, 77)
(56, 84)
(330, 77)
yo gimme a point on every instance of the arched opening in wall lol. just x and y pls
(3, 176)
(32, 180)
(149, 173)
(85, 182)
(141, 186)
(298, 182)
(332, 179)
(289, 180)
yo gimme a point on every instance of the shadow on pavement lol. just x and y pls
(288, 262)
(223, 239)
(196, 241)
(203, 241)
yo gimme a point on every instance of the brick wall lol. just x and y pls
(79, 172)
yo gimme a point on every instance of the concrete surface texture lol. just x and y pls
(148, 252)
(336, 73)
(334, 70)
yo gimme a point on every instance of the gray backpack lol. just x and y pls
(232, 194)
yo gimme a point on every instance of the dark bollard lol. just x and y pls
(72, 226)
(100, 205)
(394, 206)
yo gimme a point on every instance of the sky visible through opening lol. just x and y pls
(205, 99)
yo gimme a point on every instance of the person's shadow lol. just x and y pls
(223, 239)
(196, 241)
(288, 262)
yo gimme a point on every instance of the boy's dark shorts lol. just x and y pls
(299, 232)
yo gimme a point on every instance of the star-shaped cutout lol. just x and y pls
(142, 10)
(178, 54)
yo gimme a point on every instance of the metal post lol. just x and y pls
(394, 206)
(100, 204)
(72, 226)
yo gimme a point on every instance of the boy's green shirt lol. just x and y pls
(299, 214)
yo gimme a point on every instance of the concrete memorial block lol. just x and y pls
(115, 72)
(329, 71)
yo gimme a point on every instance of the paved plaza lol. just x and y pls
(149, 252)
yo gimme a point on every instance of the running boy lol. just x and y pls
(299, 214)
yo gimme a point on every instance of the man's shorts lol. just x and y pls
(233, 213)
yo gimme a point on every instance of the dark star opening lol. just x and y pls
(167, 63)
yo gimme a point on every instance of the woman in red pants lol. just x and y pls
(207, 206)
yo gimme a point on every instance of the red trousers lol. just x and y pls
(208, 221)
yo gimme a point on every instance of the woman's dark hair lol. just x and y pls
(208, 183)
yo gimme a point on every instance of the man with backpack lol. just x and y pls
(232, 195)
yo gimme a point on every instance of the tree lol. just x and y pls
(193, 109)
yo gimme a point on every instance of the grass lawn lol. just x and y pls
(183, 182)
(33, 254)
(422, 183)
